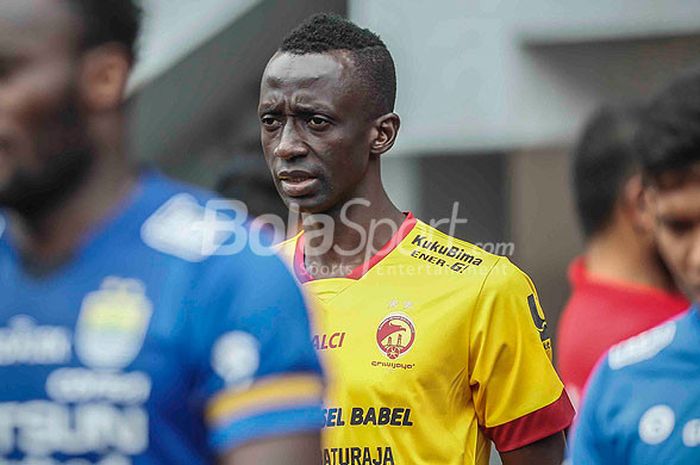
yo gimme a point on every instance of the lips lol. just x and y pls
(297, 183)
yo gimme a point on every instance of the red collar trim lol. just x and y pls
(406, 227)
(580, 278)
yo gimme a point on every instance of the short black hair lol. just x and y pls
(109, 21)
(603, 160)
(670, 139)
(326, 32)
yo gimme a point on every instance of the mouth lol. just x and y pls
(297, 183)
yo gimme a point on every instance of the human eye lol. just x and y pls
(678, 227)
(318, 123)
(269, 122)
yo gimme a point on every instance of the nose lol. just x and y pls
(290, 145)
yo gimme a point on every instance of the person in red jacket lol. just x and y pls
(620, 286)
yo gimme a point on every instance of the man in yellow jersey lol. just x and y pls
(433, 346)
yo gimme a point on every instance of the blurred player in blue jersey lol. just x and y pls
(643, 403)
(127, 335)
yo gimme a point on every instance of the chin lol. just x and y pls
(310, 208)
(308, 204)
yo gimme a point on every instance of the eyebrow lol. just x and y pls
(268, 106)
(311, 107)
(275, 81)
(305, 108)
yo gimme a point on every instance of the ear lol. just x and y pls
(636, 202)
(104, 74)
(384, 133)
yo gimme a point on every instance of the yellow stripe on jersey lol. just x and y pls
(270, 393)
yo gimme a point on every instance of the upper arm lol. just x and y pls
(296, 449)
(547, 451)
(518, 396)
(259, 375)
(588, 444)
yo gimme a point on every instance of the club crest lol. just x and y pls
(112, 324)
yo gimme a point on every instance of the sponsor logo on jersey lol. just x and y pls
(84, 385)
(112, 324)
(656, 425)
(446, 250)
(361, 416)
(40, 428)
(358, 456)
(538, 319)
(691, 433)
(23, 342)
(328, 341)
(396, 335)
(186, 229)
(642, 347)
(236, 358)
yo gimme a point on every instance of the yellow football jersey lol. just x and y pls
(432, 348)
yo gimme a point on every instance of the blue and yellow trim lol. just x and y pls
(271, 406)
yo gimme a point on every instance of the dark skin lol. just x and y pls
(44, 76)
(316, 128)
(547, 451)
(323, 146)
(40, 72)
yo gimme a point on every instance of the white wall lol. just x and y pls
(174, 28)
(498, 74)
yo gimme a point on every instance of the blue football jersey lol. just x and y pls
(166, 339)
(642, 405)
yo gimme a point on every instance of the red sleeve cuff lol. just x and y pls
(534, 426)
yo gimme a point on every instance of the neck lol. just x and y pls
(49, 239)
(617, 257)
(345, 237)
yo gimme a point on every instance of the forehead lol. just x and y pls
(318, 74)
(33, 24)
(680, 201)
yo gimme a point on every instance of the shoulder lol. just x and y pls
(461, 256)
(189, 223)
(639, 371)
(195, 230)
(650, 347)
(504, 275)
(480, 271)
(504, 279)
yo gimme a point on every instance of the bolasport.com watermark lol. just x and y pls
(223, 227)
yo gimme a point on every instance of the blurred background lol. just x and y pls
(491, 94)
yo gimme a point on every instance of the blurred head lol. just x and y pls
(326, 112)
(250, 184)
(63, 66)
(606, 172)
(670, 146)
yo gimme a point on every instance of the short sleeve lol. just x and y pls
(261, 376)
(518, 396)
(588, 444)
